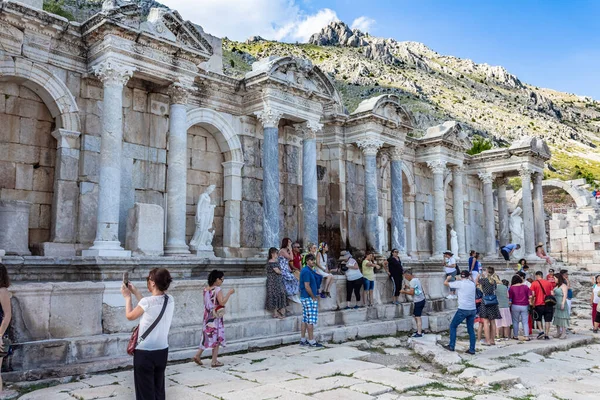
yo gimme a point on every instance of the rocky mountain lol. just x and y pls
(487, 100)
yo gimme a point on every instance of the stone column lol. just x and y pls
(538, 209)
(397, 200)
(270, 163)
(458, 209)
(232, 196)
(412, 224)
(370, 147)
(114, 76)
(177, 171)
(63, 230)
(440, 240)
(310, 197)
(503, 223)
(528, 227)
(488, 214)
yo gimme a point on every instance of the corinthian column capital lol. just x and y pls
(308, 129)
(179, 93)
(112, 73)
(396, 153)
(369, 146)
(269, 117)
(437, 166)
(525, 172)
(486, 177)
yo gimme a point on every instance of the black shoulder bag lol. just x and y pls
(549, 299)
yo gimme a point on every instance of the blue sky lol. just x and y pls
(553, 44)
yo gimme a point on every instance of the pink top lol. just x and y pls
(519, 295)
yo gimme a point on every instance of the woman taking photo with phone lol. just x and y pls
(152, 350)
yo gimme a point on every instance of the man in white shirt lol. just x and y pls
(450, 270)
(465, 289)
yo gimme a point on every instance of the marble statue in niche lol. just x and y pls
(454, 242)
(516, 231)
(205, 214)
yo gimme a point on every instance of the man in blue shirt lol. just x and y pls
(508, 250)
(309, 300)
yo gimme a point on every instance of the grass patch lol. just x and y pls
(258, 360)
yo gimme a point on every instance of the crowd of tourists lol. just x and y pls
(525, 303)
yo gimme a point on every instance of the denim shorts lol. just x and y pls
(369, 285)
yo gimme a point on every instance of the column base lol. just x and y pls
(177, 250)
(106, 248)
(53, 249)
(437, 257)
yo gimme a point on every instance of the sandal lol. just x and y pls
(217, 364)
(197, 360)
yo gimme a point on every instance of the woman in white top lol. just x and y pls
(322, 268)
(354, 279)
(150, 357)
(595, 300)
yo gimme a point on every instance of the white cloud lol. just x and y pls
(281, 20)
(363, 24)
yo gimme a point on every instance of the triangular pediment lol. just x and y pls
(169, 25)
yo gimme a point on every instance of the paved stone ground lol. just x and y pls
(385, 368)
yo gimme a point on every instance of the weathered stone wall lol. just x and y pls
(143, 163)
(355, 198)
(424, 210)
(27, 155)
(204, 168)
(290, 179)
(251, 205)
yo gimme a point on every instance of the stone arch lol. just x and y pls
(229, 144)
(581, 198)
(220, 128)
(55, 94)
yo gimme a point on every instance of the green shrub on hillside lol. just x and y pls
(480, 144)
(56, 7)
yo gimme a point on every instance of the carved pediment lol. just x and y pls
(450, 131)
(535, 145)
(169, 25)
(387, 106)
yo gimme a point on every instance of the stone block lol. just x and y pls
(88, 206)
(76, 309)
(47, 157)
(159, 126)
(557, 224)
(8, 172)
(251, 224)
(11, 126)
(135, 128)
(159, 104)
(145, 230)
(14, 220)
(30, 308)
(67, 167)
(64, 219)
(43, 179)
(24, 177)
(559, 233)
(205, 161)
(195, 177)
(140, 100)
(51, 249)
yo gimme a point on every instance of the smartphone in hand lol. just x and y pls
(126, 279)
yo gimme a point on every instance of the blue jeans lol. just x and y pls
(459, 317)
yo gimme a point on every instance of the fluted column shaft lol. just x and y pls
(370, 147)
(270, 163)
(538, 209)
(458, 210)
(528, 224)
(488, 214)
(439, 208)
(310, 198)
(177, 171)
(114, 76)
(398, 233)
(503, 223)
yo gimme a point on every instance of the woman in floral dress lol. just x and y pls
(275, 290)
(289, 280)
(213, 329)
(561, 311)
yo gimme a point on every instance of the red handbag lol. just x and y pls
(133, 340)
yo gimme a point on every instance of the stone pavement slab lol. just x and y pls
(342, 394)
(185, 393)
(308, 386)
(339, 367)
(202, 376)
(101, 392)
(400, 381)
(269, 376)
(265, 392)
(218, 388)
(373, 389)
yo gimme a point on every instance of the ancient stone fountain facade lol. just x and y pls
(102, 118)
